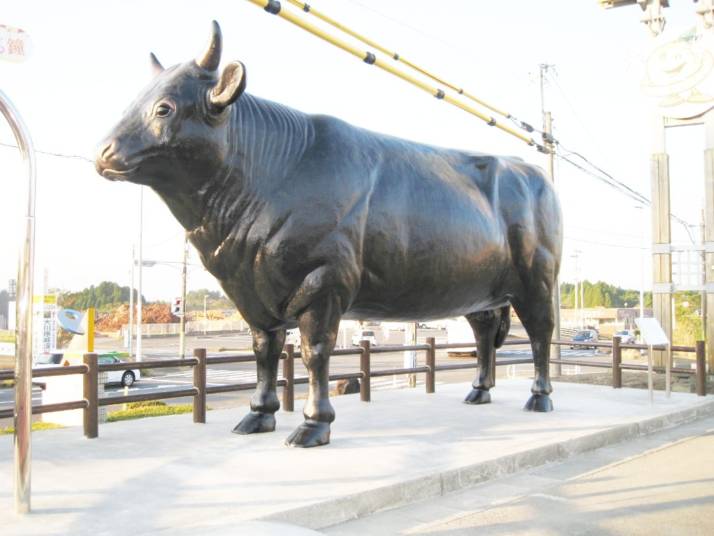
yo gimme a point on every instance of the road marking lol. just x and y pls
(217, 377)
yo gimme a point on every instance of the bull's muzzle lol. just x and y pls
(109, 163)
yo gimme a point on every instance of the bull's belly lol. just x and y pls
(432, 291)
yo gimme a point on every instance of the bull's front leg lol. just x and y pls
(267, 346)
(318, 324)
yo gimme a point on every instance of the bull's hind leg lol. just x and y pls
(267, 346)
(318, 330)
(536, 314)
(490, 329)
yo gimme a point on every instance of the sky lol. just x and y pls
(90, 59)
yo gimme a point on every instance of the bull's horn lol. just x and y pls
(156, 64)
(212, 57)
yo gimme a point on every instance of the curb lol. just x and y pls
(335, 511)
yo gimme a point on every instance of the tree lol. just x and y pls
(102, 297)
(214, 300)
(601, 294)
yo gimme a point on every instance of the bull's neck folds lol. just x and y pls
(265, 141)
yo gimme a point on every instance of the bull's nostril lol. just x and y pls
(108, 151)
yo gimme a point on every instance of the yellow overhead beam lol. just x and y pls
(274, 7)
(397, 57)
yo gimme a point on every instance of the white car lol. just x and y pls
(364, 335)
(626, 336)
(125, 377)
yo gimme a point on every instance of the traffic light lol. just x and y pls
(177, 307)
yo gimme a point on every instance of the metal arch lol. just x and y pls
(23, 348)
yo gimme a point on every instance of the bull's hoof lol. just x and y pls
(255, 423)
(539, 403)
(310, 434)
(478, 396)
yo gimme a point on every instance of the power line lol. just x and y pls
(624, 189)
(605, 177)
(579, 119)
(610, 180)
(50, 153)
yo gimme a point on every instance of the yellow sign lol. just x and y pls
(47, 299)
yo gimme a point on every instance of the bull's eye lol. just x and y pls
(163, 109)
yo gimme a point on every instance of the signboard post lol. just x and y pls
(44, 324)
(654, 335)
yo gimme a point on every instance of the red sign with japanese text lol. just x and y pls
(15, 44)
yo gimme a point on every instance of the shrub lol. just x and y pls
(36, 426)
(139, 410)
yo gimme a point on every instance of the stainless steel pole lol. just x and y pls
(23, 339)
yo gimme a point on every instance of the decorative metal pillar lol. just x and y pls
(23, 339)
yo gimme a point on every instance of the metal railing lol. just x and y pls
(91, 402)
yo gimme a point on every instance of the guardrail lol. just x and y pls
(91, 402)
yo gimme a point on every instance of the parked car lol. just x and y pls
(626, 336)
(583, 337)
(364, 335)
(126, 377)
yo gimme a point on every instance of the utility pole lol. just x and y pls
(550, 147)
(205, 314)
(139, 305)
(703, 305)
(131, 304)
(579, 294)
(182, 320)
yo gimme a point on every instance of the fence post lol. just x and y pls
(431, 364)
(199, 382)
(616, 362)
(90, 388)
(701, 370)
(289, 377)
(365, 390)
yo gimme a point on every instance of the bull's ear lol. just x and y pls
(229, 87)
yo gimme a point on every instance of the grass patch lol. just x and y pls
(153, 408)
(6, 384)
(36, 426)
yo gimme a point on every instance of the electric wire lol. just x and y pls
(50, 153)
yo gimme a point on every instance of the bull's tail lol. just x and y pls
(503, 326)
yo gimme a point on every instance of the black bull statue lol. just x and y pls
(305, 220)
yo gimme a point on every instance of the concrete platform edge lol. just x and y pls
(332, 512)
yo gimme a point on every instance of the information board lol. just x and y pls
(651, 331)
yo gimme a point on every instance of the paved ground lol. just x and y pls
(658, 484)
(168, 473)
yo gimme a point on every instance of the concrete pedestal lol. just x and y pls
(168, 475)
